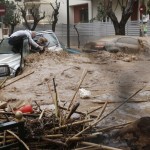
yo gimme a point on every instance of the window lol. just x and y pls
(84, 15)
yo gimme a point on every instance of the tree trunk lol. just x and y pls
(126, 14)
(55, 19)
(119, 28)
(54, 25)
(12, 29)
(35, 23)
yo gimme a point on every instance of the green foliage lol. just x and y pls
(10, 14)
(148, 7)
(101, 13)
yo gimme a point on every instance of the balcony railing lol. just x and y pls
(29, 17)
(31, 1)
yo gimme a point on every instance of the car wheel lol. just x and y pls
(18, 72)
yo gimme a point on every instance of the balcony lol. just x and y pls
(29, 17)
(26, 1)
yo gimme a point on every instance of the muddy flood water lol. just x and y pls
(109, 78)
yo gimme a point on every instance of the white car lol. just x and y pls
(11, 63)
(53, 43)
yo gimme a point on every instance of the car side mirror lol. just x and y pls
(4, 70)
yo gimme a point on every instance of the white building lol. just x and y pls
(79, 10)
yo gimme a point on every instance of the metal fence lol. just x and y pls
(91, 31)
(96, 30)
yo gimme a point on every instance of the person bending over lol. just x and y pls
(16, 40)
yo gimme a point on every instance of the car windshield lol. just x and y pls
(5, 48)
(52, 40)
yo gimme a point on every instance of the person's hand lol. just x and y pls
(41, 48)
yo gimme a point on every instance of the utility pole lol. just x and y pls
(68, 26)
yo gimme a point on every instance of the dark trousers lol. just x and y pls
(17, 43)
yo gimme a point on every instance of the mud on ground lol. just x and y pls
(110, 77)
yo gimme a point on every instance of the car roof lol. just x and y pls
(45, 31)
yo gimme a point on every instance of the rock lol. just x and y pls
(18, 115)
(137, 134)
(127, 59)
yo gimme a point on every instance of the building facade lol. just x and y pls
(80, 11)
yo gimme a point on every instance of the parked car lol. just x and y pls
(53, 44)
(113, 44)
(11, 63)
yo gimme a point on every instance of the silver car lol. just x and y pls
(11, 63)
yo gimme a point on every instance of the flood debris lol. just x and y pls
(46, 128)
(137, 134)
(15, 79)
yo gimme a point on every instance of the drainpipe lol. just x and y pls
(90, 10)
(68, 26)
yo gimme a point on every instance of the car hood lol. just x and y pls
(9, 58)
(55, 48)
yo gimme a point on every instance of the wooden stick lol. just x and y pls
(7, 137)
(103, 109)
(111, 102)
(41, 115)
(11, 109)
(8, 141)
(3, 104)
(3, 82)
(83, 137)
(79, 112)
(72, 110)
(81, 80)
(54, 136)
(94, 110)
(17, 78)
(97, 121)
(113, 127)
(71, 124)
(102, 147)
(4, 138)
(38, 106)
(57, 112)
(54, 141)
(49, 88)
(86, 148)
(12, 133)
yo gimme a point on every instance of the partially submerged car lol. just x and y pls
(52, 44)
(114, 44)
(11, 63)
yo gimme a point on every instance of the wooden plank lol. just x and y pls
(3, 104)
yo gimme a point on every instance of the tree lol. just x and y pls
(101, 13)
(127, 10)
(11, 17)
(148, 5)
(55, 14)
(14, 22)
(35, 15)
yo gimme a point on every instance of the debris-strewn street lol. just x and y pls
(94, 94)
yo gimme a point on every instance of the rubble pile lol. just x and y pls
(60, 128)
